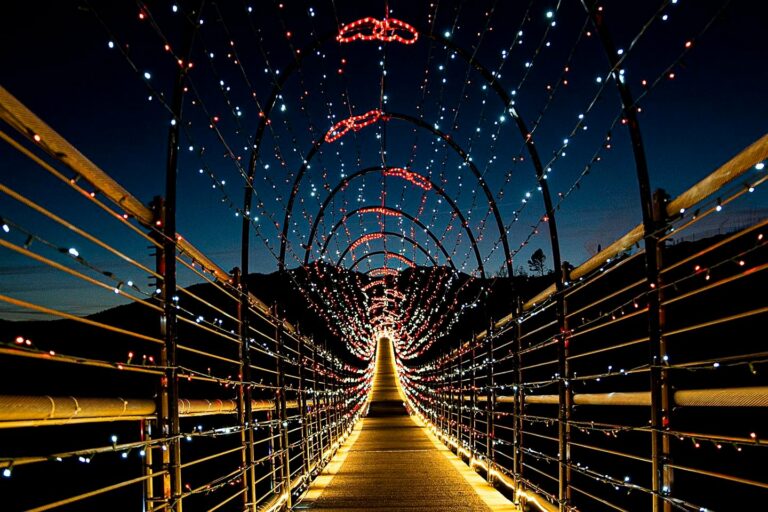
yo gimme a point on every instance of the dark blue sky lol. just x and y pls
(56, 59)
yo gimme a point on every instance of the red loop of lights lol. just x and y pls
(416, 179)
(371, 29)
(379, 209)
(354, 123)
(365, 238)
(383, 271)
(393, 256)
(374, 283)
(394, 293)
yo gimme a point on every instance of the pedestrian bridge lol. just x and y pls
(394, 461)
(435, 257)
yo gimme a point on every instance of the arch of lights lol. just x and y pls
(388, 255)
(387, 116)
(415, 178)
(388, 30)
(378, 235)
(389, 211)
(380, 30)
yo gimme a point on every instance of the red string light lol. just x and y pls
(371, 29)
(383, 271)
(380, 210)
(365, 238)
(399, 257)
(374, 283)
(415, 178)
(354, 123)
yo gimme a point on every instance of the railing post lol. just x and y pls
(271, 450)
(326, 400)
(316, 407)
(519, 404)
(460, 413)
(651, 223)
(660, 389)
(334, 396)
(149, 487)
(305, 449)
(245, 397)
(564, 398)
(443, 395)
(282, 411)
(473, 402)
(168, 396)
(490, 406)
(450, 393)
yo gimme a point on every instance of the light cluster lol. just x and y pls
(371, 29)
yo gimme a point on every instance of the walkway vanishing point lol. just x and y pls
(392, 461)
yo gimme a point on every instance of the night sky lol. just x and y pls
(99, 74)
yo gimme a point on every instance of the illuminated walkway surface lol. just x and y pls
(392, 463)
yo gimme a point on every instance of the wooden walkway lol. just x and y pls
(392, 463)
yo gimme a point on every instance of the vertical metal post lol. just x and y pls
(455, 402)
(564, 398)
(451, 388)
(460, 414)
(282, 411)
(519, 405)
(437, 402)
(149, 487)
(490, 406)
(168, 396)
(316, 406)
(659, 418)
(326, 399)
(303, 417)
(166, 223)
(473, 402)
(660, 388)
(334, 397)
(271, 451)
(443, 394)
(245, 397)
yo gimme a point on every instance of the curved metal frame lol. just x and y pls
(376, 253)
(398, 235)
(421, 124)
(661, 475)
(344, 182)
(399, 213)
(485, 73)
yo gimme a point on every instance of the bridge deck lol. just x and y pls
(392, 463)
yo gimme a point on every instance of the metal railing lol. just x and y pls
(618, 391)
(199, 395)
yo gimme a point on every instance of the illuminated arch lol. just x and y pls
(389, 211)
(421, 124)
(285, 74)
(345, 182)
(387, 255)
(403, 237)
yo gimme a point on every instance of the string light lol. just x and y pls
(353, 123)
(371, 29)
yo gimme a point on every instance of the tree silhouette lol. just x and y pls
(536, 263)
